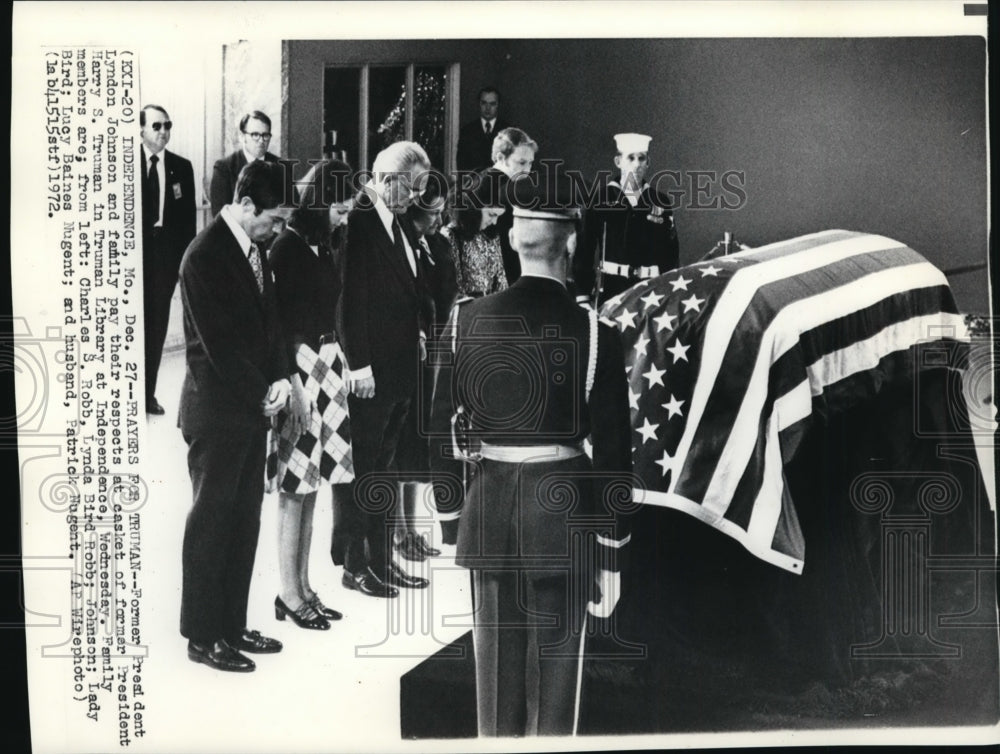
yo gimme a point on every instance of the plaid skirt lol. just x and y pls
(301, 463)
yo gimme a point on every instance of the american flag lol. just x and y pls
(728, 359)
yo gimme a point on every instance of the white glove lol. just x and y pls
(610, 585)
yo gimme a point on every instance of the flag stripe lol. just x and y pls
(732, 306)
(854, 342)
(781, 335)
(741, 388)
(728, 360)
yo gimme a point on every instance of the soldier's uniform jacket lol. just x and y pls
(638, 238)
(521, 374)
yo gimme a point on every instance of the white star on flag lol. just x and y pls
(674, 407)
(647, 430)
(640, 345)
(664, 322)
(679, 351)
(655, 376)
(666, 463)
(652, 299)
(711, 270)
(693, 304)
(627, 319)
(633, 399)
(679, 283)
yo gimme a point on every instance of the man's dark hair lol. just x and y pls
(264, 183)
(256, 115)
(488, 90)
(142, 113)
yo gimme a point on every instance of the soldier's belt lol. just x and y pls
(530, 453)
(624, 271)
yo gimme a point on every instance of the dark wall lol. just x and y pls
(878, 135)
(306, 60)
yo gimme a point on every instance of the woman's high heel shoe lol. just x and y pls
(304, 617)
(327, 612)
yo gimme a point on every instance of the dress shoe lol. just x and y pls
(220, 656)
(254, 641)
(368, 584)
(396, 576)
(426, 549)
(305, 617)
(153, 407)
(327, 612)
(409, 548)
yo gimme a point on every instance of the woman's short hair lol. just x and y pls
(510, 139)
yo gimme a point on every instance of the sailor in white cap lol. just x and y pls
(530, 420)
(630, 233)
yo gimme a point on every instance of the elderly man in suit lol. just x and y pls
(475, 139)
(168, 225)
(237, 378)
(255, 135)
(387, 315)
(537, 516)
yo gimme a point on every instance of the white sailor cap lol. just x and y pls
(630, 143)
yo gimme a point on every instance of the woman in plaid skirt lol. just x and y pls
(310, 440)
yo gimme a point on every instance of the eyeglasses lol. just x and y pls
(165, 125)
(257, 136)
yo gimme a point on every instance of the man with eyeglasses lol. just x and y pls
(168, 225)
(255, 136)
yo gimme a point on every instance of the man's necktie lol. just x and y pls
(397, 241)
(153, 191)
(488, 128)
(425, 251)
(258, 270)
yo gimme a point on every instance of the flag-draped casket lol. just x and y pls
(813, 513)
(730, 360)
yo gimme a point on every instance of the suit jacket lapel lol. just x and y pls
(238, 260)
(169, 179)
(396, 261)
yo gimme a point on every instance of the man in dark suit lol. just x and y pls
(475, 139)
(513, 154)
(526, 378)
(387, 314)
(168, 225)
(255, 135)
(237, 377)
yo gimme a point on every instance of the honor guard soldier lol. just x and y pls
(630, 234)
(531, 375)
